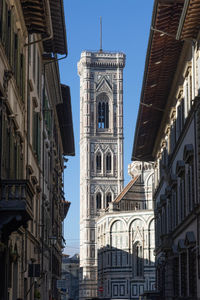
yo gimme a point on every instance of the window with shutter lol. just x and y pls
(18, 62)
(34, 61)
(34, 131)
(22, 77)
(47, 114)
(12, 39)
(1, 18)
(38, 138)
(8, 38)
(176, 276)
(198, 74)
(4, 22)
(15, 52)
(183, 261)
(178, 122)
(38, 75)
(11, 158)
(192, 273)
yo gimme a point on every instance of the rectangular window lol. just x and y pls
(22, 77)
(36, 142)
(38, 76)
(34, 61)
(1, 18)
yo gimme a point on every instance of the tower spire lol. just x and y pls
(101, 34)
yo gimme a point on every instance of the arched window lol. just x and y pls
(98, 162)
(108, 199)
(138, 260)
(108, 162)
(103, 112)
(98, 198)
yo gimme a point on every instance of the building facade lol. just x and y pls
(171, 120)
(70, 273)
(101, 151)
(34, 110)
(126, 239)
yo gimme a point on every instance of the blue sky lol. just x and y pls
(126, 26)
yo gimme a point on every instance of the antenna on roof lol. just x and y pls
(101, 34)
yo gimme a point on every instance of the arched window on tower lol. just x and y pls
(103, 112)
(98, 200)
(108, 199)
(108, 162)
(98, 162)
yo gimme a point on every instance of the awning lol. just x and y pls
(65, 122)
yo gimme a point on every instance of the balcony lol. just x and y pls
(15, 204)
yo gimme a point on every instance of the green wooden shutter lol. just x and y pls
(23, 77)
(34, 131)
(4, 22)
(38, 138)
(1, 18)
(11, 167)
(12, 41)
(18, 62)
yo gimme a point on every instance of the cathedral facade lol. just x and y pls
(101, 151)
(126, 239)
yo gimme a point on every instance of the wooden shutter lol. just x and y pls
(4, 22)
(34, 130)
(22, 77)
(12, 39)
(18, 62)
(12, 164)
(38, 150)
(1, 17)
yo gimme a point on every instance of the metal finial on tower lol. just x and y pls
(101, 34)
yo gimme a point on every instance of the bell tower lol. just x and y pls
(101, 151)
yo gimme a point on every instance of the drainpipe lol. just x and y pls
(182, 19)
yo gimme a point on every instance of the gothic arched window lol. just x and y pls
(138, 260)
(108, 162)
(98, 162)
(103, 112)
(108, 199)
(98, 199)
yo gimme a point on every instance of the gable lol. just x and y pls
(104, 85)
